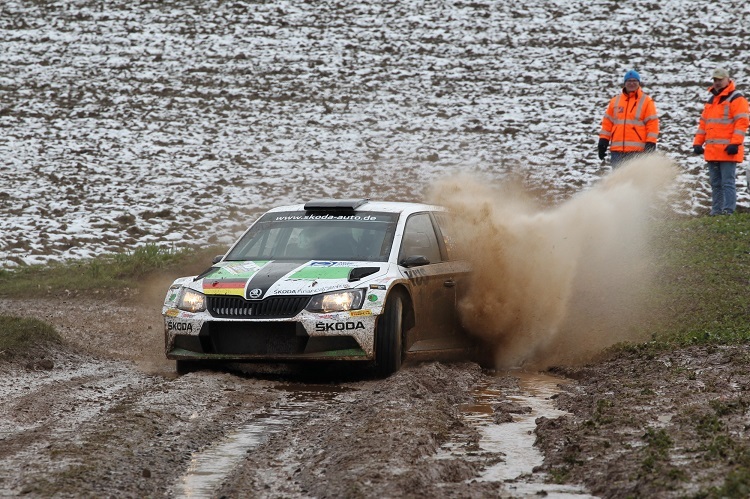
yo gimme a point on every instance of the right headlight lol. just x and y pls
(337, 301)
(191, 301)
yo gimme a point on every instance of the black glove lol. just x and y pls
(697, 149)
(732, 149)
(650, 147)
(603, 143)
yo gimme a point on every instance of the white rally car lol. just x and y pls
(330, 280)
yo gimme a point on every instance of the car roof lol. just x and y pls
(356, 205)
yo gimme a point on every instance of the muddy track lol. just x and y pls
(106, 416)
(115, 431)
(84, 421)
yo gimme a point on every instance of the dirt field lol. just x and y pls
(175, 122)
(106, 416)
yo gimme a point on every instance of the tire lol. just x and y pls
(187, 366)
(388, 338)
(484, 355)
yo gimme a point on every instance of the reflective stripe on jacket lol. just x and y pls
(724, 121)
(630, 122)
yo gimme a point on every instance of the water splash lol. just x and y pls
(555, 285)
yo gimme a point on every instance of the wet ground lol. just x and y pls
(106, 416)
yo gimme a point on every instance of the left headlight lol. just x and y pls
(192, 301)
(337, 301)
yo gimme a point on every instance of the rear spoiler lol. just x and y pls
(334, 205)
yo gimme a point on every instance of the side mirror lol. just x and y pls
(414, 261)
(217, 259)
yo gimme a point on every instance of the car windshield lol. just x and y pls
(363, 236)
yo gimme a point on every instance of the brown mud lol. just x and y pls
(105, 416)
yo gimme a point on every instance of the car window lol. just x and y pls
(419, 239)
(446, 224)
(365, 236)
(268, 243)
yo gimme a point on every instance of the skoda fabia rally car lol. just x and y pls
(330, 280)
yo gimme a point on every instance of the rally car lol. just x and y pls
(329, 280)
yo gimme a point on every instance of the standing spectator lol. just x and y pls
(720, 138)
(630, 126)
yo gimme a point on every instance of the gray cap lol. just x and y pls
(721, 73)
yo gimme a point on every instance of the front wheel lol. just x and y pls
(388, 338)
(483, 354)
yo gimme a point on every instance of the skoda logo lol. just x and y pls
(255, 293)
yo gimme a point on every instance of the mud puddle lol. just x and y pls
(510, 444)
(209, 467)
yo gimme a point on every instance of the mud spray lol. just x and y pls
(555, 286)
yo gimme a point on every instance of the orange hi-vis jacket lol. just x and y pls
(630, 122)
(724, 121)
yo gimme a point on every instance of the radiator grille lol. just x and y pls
(236, 307)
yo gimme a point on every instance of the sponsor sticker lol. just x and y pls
(377, 286)
(418, 276)
(372, 297)
(338, 326)
(180, 326)
(322, 272)
(285, 218)
(242, 268)
(172, 312)
(321, 289)
(360, 313)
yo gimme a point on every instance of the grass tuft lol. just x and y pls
(19, 335)
(107, 272)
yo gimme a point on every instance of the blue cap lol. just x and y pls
(632, 74)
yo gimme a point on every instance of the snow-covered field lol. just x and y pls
(175, 122)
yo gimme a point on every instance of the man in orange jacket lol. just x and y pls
(630, 126)
(720, 138)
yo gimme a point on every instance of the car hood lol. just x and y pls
(260, 279)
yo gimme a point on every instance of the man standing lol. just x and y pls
(630, 126)
(720, 138)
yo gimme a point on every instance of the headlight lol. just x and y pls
(192, 301)
(338, 301)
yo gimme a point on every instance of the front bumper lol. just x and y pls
(344, 336)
